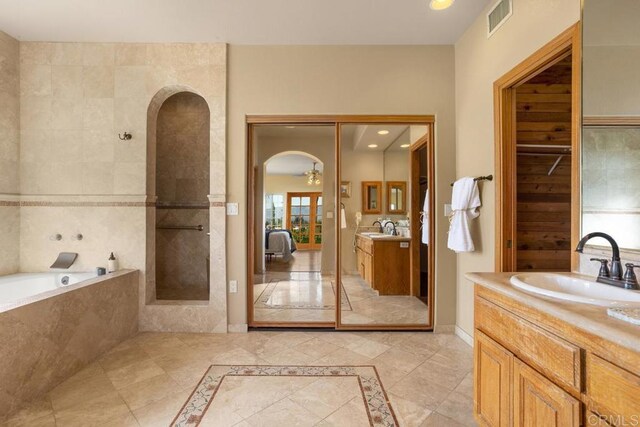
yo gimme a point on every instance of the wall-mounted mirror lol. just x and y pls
(396, 197)
(611, 122)
(371, 197)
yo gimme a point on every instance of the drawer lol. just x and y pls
(612, 391)
(556, 358)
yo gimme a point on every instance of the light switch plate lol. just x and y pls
(329, 215)
(233, 286)
(447, 209)
(232, 209)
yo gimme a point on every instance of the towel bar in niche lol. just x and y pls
(480, 178)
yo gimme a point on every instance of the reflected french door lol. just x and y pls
(304, 219)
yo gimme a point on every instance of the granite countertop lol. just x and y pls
(386, 238)
(590, 318)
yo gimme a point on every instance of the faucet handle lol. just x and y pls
(630, 279)
(604, 267)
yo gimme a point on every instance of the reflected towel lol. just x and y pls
(424, 219)
(465, 202)
(343, 218)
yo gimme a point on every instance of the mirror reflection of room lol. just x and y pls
(376, 238)
(294, 233)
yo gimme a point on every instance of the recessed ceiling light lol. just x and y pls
(405, 146)
(383, 132)
(440, 4)
(372, 145)
(291, 127)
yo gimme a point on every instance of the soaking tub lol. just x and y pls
(24, 288)
(54, 324)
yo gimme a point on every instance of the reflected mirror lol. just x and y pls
(294, 225)
(382, 254)
(611, 122)
(372, 197)
(396, 197)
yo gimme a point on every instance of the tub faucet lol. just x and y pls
(614, 276)
(64, 260)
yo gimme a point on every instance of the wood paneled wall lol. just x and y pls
(543, 106)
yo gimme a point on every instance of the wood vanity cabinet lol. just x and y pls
(384, 264)
(531, 371)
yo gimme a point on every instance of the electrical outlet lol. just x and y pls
(232, 209)
(233, 286)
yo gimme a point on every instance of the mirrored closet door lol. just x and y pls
(385, 239)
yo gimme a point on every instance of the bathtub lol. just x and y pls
(23, 288)
(52, 325)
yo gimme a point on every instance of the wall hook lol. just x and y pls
(127, 136)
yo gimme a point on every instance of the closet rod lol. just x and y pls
(568, 147)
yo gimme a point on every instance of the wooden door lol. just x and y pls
(539, 402)
(492, 382)
(304, 219)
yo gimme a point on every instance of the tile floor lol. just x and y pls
(310, 297)
(146, 380)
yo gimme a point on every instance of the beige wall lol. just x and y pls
(9, 154)
(339, 80)
(479, 62)
(78, 177)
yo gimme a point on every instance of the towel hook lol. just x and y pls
(126, 137)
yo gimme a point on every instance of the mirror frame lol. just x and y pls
(366, 209)
(338, 121)
(402, 185)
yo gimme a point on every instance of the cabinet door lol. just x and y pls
(360, 262)
(492, 382)
(539, 402)
(368, 269)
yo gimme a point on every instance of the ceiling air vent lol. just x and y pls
(498, 15)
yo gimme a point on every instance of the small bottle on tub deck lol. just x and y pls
(112, 264)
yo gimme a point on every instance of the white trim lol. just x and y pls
(464, 336)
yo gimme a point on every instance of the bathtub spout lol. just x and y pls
(65, 260)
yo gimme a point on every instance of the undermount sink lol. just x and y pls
(571, 288)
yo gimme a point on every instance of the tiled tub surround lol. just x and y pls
(47, 341)
(75, 98)
(9, 153)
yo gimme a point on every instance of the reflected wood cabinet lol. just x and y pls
(533, 370)
(384, 264)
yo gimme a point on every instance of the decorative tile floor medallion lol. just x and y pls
(265, 299)
(376, 402)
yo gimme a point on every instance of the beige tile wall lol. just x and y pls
(47, 341)
(75, 100)
(9, 154)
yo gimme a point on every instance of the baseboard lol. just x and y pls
(238, 328)
(464, 336)
(444, 329)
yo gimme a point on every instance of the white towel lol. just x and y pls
(424, 219)
(465, 202)
(343, 218)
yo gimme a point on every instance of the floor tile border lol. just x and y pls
(271, 286)
(374, 396)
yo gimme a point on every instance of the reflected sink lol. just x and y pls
(572, 288)
(372, 234)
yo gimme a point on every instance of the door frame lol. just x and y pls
(313, 205)
(416, 240)
(504, 92)
(337, 121)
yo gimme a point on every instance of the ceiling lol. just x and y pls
(291, 164)
(239, 21)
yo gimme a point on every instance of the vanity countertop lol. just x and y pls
(591, 319)
(385, 238)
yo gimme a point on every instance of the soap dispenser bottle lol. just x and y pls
(112, 264)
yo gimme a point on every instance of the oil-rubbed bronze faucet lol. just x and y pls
(614, 276)
(380, 224)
